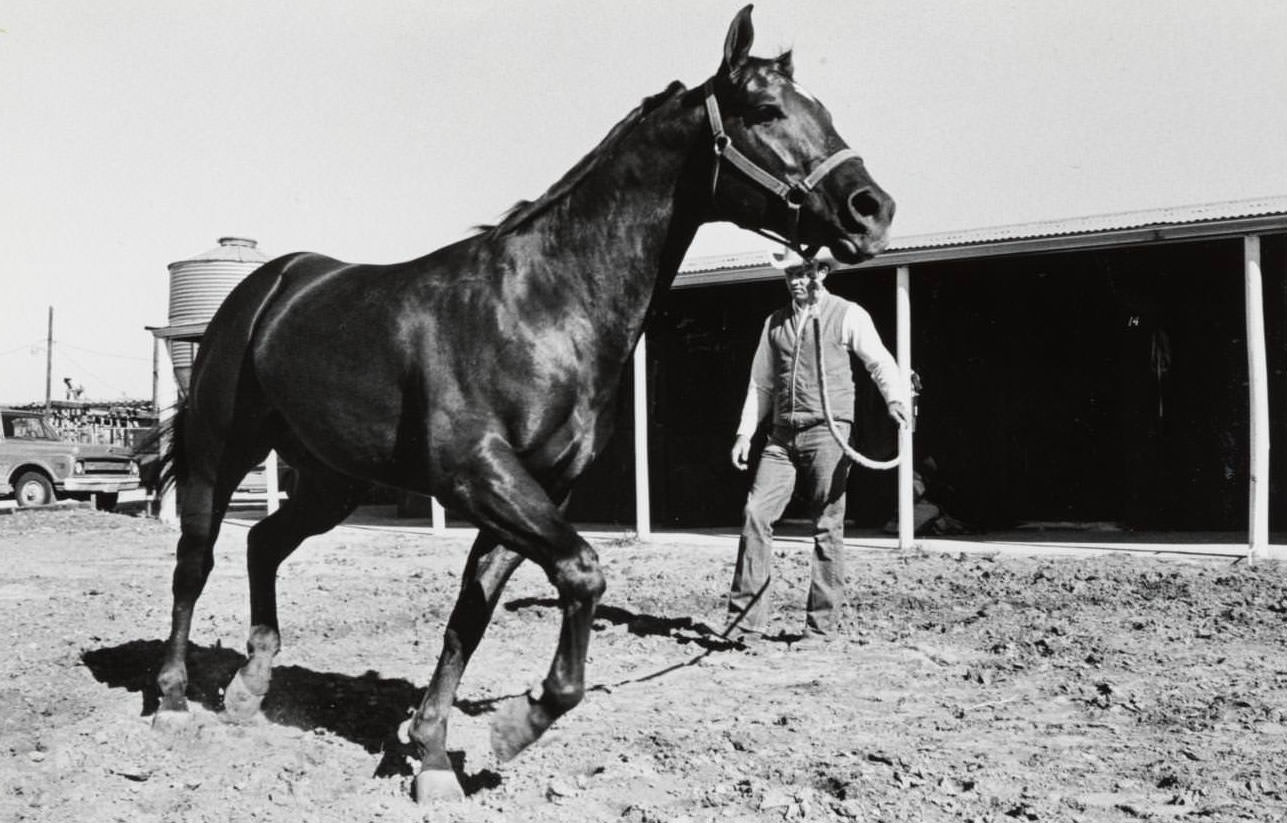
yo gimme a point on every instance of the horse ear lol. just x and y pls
(737, 44)
(786, 64)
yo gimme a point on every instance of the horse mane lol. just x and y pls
(525, 210)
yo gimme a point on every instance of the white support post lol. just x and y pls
(643, 509)
(167, 395)
(437, 516)
(1258, 383)
(906, 467)
(272, 494)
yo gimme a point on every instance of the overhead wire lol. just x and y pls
(35, 344)
(109, 384)
(103, 353)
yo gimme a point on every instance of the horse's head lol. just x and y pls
(782, 167)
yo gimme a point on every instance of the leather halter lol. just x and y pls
(792, 193)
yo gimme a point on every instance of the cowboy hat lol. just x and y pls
(789, 259)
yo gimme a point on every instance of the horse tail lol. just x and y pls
(160, 452)
(172, 465)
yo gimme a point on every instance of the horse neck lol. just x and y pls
(616, 241)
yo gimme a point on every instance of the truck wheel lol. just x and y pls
(106, 501)
(33, 489)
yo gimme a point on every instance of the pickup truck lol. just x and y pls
(38, 467)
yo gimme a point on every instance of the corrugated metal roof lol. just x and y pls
(1176, 215)
(1175, 222)
(725, 261)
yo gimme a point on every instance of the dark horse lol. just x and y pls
(484, 374)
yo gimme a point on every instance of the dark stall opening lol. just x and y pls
(1274, 271)
(1100, 387)
(1092, 387)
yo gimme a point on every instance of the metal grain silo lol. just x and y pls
(199, 284)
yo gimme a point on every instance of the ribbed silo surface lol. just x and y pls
(199, 284)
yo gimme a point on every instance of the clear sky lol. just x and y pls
(134, 134)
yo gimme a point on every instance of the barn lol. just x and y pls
(1118, 373)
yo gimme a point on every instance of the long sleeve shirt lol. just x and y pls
(858, 336)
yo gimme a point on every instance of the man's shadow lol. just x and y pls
(683, 630)
(365, 709)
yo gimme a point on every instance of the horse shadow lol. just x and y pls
(365, 709)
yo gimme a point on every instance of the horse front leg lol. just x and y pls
(505, 500)
(520, 722)
(486, 572)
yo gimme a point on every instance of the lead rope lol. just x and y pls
(850, 452)
(793, 195)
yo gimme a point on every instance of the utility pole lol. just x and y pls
(49, 363)
(156, 375)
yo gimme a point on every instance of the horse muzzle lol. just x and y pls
(865, 217)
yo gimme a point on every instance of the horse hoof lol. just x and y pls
(240, 704)
(437, 786)
(171, 720)
(513, 729)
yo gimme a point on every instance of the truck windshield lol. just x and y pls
(28, 428)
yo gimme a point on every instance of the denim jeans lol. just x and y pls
(812, 459)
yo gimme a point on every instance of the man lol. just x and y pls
(786, 384)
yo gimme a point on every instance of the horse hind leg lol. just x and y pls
(216, 442)
(322, 499)
(203, 495)
(194, 558)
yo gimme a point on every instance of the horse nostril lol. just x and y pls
(864, 204)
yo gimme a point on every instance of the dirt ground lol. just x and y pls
(964, 687)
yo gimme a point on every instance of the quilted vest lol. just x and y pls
(797, 397)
